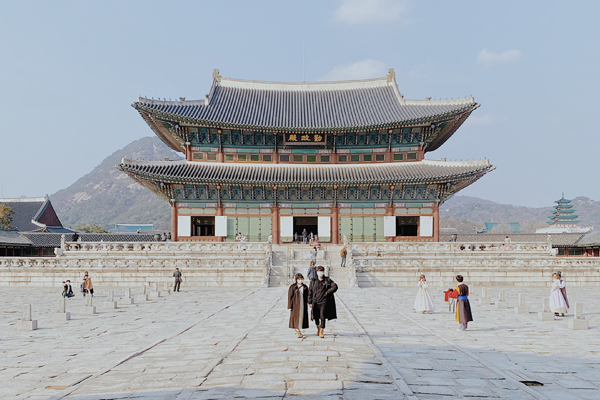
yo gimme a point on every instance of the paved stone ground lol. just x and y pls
(221, 343)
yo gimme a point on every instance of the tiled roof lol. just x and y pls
(407, 172)
(305, 106)
(12, 237)
(24, 210)
(590, 239)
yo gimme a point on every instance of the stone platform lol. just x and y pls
(223, 343)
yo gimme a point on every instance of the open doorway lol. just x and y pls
(203, 226)
(308, 223)
(407, 226)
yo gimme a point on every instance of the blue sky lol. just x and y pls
(69, 71)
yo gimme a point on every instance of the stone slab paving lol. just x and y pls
(222, 343)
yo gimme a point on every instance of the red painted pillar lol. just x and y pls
(335, 225)
(436, 224)
(275, 224)
(174, 222)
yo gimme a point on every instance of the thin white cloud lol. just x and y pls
(363, 69)
(488, 58)
(484, 120)
(358, 12)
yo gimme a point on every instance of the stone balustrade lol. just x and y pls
(449, 248)
(126, 264)
(521, 264)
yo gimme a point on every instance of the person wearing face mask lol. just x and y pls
(321, 300)
(297, 304)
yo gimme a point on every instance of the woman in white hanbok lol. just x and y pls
(423, 301)
(558, 302)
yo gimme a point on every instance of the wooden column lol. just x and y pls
(275, 225)
(174, 222)
(220, 156)
(335, 225)
(436, 224)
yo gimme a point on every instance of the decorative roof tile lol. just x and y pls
(306, 106)
(406, 172)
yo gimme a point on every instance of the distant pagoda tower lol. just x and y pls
(563, 219)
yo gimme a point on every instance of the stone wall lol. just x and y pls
(483, 264)
(129, 264)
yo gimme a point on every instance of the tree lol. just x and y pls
(92, 227)
(5, 216)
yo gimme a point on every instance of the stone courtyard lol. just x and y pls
(222, 343)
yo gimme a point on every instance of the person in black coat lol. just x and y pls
(298, 305)
(321, 300)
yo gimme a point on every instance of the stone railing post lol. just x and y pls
(352, 279)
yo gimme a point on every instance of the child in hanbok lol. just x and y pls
(423, 301)
(558, 295)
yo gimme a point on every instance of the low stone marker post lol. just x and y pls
(110, 304)
(155, 292)
(62, 315)
(484, 300)
(578, 322)
(89, 308)
(521, 308)
(143, 296)
(26, 323)
(501, 304)
(546, 315)
(127, 299)
(167, 288)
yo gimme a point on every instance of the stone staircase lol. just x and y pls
(288, 260)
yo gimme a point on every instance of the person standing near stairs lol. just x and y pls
(321, 300)
(343, 254)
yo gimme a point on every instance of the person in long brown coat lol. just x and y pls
(463, 307)
(298, 305)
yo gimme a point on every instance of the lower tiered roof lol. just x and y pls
(191, 172)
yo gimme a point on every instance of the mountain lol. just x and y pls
(466, 213)
(107, 196)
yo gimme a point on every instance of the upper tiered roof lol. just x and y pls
(425, 171)
(33, 214)
(320, 106)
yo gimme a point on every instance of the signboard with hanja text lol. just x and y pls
(304, 138)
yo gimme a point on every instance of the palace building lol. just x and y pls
(335, 158)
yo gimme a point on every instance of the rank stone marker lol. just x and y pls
(501, 304)
(127, 298)
(521, 308)
(484, 300)
(166, 288)
(110, 303)
(578, 322)
(546, 315)
(89, 308)
(62, 315)
(26, 323)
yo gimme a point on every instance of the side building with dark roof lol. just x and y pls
(333, 158)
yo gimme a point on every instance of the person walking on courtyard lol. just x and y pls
(463, 307)
(298, 305)
(177, 275)
(67, 289)
(343, 254)
(316, 242)
(313, 256)
(304, 235)
(296, 237)
(321, 300)
(423, 301)
(558, 295)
